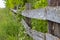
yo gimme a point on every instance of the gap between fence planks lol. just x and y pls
(38, 35)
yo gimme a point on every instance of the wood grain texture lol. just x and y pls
(52, 14)
(33, 33)
(27, 19)
(37, 14)
(38, 35)
(51, 37)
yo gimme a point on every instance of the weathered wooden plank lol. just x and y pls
(33, 33)
(15, 11)
(53, 14)
(48, 13)
(56, 30)
(51, 37)
(38, 13)
(50, 27)
(38, 35)
(27, 19)
(56, 11)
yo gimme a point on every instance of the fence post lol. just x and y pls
(53, 27)
(28, 20)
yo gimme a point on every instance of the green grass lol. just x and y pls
(10, 27)
(39, 25)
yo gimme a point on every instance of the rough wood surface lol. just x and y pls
(15, 11)
(51, 37)
(34, 34)
(38, 35)
(37, 14)
(48, 13)
(27, 19)
(50, 27)
(52, 14)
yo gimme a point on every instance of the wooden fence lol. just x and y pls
(38, 35)
(48, 13)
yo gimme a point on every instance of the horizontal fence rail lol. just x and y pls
(48, 13)
(37, 14)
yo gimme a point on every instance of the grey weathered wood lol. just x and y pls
(56, 17)
(15, 11)
(38, 35)
(27, 19)
(37, 13)
(57, 29)
(52, 14)
(51, 37)
(33, 33)
(50, 27)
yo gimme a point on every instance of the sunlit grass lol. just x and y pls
(10, 27)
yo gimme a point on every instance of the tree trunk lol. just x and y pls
(53, 27)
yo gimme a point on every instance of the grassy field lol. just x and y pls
(10, 28)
